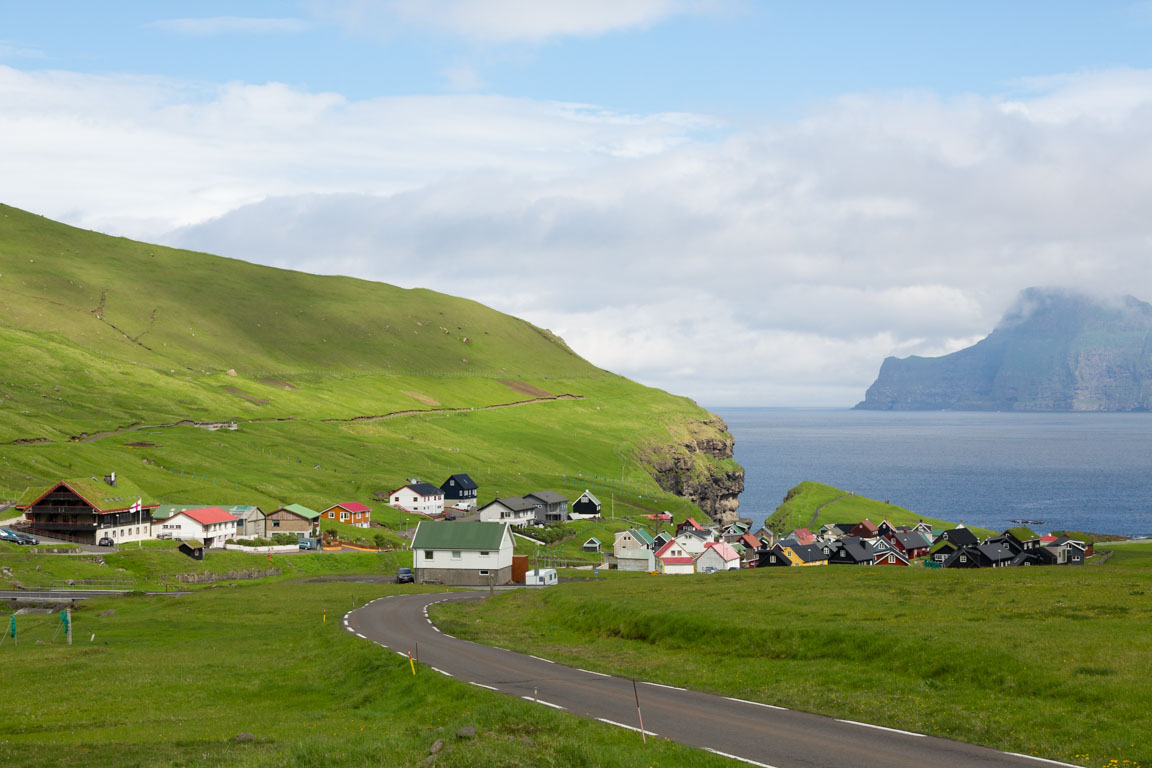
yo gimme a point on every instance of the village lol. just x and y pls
(504, 542)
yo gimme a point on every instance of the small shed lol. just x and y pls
(592, 545)
(193, 549)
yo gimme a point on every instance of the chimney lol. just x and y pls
(111, 479)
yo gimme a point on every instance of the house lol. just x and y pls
(292, 518)
(672, 559)
(460, 489)
(516, 510)
(463, 553)
(689, 525)
(418, 497)
(87, 509)
(960, 535)
(585, 507)
(211, 525)
(1021, 539)
(980, 556)
(853, 550)
(865, 529)
(794, 554)
(592, 545)
(737, 528)
(718, 556)
(635, 559)
(1070, 551)
(552, 507)
(803, 536)
(765, 537)
(832, 531)
(660, 539)
(886, 529)
(1037, 556)
(633, 538)
(924, 530)
(250, 520)
(911, 545)
(691, 542)
(773, 557)
(942, 549)
(890, 556)
(749, 541)
(350, 512)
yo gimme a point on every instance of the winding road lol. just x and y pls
(751, 732)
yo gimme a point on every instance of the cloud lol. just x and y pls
(10, 50)
(773, 263)
(463, 79)
(230, 25)
(506, 21)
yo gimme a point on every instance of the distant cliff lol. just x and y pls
(1054, 350)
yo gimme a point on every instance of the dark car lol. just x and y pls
(405, 576)
(20, 538)
(106, 542)
(450, 516)
(9, 536)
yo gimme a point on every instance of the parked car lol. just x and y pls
(21, 538)
(462, 506)
(9, 536)
(306, 543)
(106, 541)
(405, 576)
(450, 516)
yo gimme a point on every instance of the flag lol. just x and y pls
(136, 506)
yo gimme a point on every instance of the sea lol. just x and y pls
(1072, 471)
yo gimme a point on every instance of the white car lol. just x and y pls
(462, 506)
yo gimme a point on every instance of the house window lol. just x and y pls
(343, 516)
(484, 573)
(483, 554)
(427, 554)
(275, 523)
(963, 558)
(456, 555)
(396, 499)
(773, 558)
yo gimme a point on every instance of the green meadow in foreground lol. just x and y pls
(171, 681)
(1044, 661)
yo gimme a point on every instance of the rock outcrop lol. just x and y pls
(1053, 351)
(699, 466)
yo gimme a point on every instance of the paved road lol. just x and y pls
(759, 734)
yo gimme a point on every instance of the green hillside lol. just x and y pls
(340, 387)
(812, 505)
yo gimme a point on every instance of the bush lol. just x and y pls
(285, 538)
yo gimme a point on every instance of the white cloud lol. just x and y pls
(463, 79)
(778, 265)
(505, 21)
(9, 50)
(230, 25)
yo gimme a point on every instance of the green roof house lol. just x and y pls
(292, 518)
(88, 509)
(462, 554)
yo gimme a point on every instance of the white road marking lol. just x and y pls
(757, 703)
(401, 653)
(629, 727)
(1040, 759)
(540, 659)
(481, 685)
(349, 629)
(598, 674)
(541, 701)
(661, 685)
(736, 757)
(361, 636)
(881, 728)
(434, 669)
(435, 627)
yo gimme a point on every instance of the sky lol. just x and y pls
(748, 203)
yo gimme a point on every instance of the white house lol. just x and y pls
(511, 509)
(674, 559)
(211, 525)
(692, 543)
(718, 556)
(421, 498)
(462, 554)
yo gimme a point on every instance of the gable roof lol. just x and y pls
(749, 540)
(237, 511)
(350, 506)
(95, 492)
(724, 549)
(421, 489)
(588, 495)
(642, 535)
(460, 535)
(300, 509)
(463, 482)
(548, 497)
(596, 541)
(634, 553)
(165, 511)
(663, 556)
(910, 540)
(809, 553)
(693, 524)
(995, 552)
(959, 535)
(867, 526)
(857, 549)
(1021, 533)
(513, 503)
(208, 515)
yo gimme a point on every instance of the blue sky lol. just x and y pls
(750, 203)
(730, 58)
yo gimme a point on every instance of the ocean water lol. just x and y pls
(1078, 471)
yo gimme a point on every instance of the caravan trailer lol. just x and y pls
(541, 577)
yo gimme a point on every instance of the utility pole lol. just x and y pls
(68, 623)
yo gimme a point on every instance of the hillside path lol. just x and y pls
(758, 734)
(816, 514)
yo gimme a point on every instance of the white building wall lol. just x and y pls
(691, 544)
(180, 526)
(498, 513)
(409, 500)
(468, 559)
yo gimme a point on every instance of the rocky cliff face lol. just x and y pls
(699, 466)
(1053, 351)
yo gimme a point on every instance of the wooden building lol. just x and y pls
(88, 509)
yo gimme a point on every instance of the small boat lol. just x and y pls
(1028, 522)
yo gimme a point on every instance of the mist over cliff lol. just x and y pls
(1054, 350)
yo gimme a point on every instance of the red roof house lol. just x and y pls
(672, 559)
(351, 512)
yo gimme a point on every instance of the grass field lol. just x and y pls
(827, 504)
(171, 681)
(1043, 661)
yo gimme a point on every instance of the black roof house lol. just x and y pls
(961, 537)
(980, 556)
(854, 550)
(459, 487)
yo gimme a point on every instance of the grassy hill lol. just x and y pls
(341, 387)
(812, 505)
